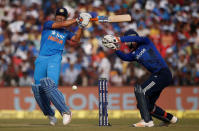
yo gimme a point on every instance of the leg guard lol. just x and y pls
(161, 114)
(142, 104)
(54, 95)
(42, 100)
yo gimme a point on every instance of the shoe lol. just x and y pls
(174, 120)
(142, 123)
(67, 118)
(53, 120)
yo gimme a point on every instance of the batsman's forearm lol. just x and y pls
(64, 23)
(78, 35)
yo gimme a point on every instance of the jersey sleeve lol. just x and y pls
(124, 56)
(70, 35)
(48, 25)
(137, 39)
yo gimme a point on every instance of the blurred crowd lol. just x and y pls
(173, 26)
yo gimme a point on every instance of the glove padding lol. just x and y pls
(83, 19)
(111, 38)
(110, 41)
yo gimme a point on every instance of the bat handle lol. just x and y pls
(92, 19)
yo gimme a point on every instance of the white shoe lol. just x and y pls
(174, 120)
(142, 123)
(53, 120)
(67, 118)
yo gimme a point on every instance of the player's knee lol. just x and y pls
(47, 84)
(138, 89)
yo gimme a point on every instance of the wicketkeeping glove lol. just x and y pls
(110, 41)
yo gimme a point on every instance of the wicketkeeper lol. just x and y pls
(144, 52)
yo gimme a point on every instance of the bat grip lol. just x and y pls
(92, 19)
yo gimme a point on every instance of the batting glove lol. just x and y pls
(83, 19)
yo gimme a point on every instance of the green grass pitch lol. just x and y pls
(92, 125)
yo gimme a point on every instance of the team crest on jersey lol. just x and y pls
(57, 34)
(53, 32)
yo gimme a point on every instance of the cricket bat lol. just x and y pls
(114, 18)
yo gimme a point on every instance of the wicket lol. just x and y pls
(103, 102)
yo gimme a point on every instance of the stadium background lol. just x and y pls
(173, 26)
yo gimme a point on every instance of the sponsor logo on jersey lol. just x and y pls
(140, 54)
(56, 37)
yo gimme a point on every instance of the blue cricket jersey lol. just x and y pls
(146, 54)
(53, 40)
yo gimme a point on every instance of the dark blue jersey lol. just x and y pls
(146, 54)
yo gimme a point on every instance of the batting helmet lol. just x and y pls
(62, 12)
(131, 33)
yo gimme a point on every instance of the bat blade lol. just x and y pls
(114, 18)
(119, 18)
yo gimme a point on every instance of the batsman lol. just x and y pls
(47, 64)
(143, 51)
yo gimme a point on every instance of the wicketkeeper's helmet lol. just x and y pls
(130, 32)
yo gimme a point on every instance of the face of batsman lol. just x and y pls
(60, 18)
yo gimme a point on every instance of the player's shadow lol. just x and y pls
(35, 124)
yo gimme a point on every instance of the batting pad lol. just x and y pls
(42, 100)
(54, 95)
(142, 104)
